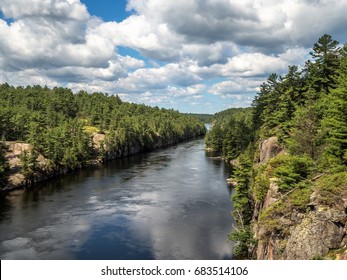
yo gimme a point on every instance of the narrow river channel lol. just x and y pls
(169, 204)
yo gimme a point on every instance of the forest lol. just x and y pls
(60, 125)
(305, 113)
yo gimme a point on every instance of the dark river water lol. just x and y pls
(169, 204)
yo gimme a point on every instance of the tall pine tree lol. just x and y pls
(326, 55)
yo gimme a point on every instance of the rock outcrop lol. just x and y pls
(14, 150)
(15, 178)
(272, 194)
(269, 148)
(318, 232)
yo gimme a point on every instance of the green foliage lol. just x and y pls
(325, 51)
(290, 170)
(243, 207)
(331, 189)
(231, 132)
(214, 138)
(300, 197)
(59, 124)
(29, 164)
(90, 130)
(205, 118)
(261, 183)
(306, 109)
(244, 243)
(334, 122)
(270, 217)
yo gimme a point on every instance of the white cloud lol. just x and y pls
(237, 86)
(172, 74)
(209, 54)
(253, 64)
(55, 42)
(266, 25)
(191, 49)
(64, 9)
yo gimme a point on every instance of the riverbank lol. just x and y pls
(44, 170)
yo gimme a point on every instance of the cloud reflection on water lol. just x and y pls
(174, 205)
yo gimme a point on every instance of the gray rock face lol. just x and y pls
(318, 232)
(272, 195)
(268, 149)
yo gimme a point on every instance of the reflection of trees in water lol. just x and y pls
(6, 207)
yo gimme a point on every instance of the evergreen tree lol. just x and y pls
(326, 55)
(335, 120)
(242, 198)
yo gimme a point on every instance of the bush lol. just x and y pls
(300, 198)
(290, 170)
(270, 218)
(261, 184)
(331, 189)
(244, 243)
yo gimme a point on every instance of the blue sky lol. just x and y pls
(193, 56)
(108, 10)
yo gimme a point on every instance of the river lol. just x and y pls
(169, 204)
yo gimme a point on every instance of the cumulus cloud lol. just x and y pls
(66, 9)
(266, 25)
(59, 41)
(237, 86)
(172, 74)
(189, 50)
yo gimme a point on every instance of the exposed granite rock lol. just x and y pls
(16, 179)
(269, 148)
(319, 232)
(14, 151)
(231, 182)
(272, 195)
(97, 138)
(307, 235)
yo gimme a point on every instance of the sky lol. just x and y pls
(198, 56)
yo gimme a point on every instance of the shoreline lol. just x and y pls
(19, 182)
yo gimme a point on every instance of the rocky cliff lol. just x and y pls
(45, 169)
(16, 177)
(307, 223)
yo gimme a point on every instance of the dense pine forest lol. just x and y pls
(290, 155)
(231, 132)
(68, 130)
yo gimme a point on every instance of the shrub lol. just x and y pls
(290, 170)
(332, 188)
(244, 242)
(261, 184)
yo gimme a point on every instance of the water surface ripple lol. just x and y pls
(169, 204)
